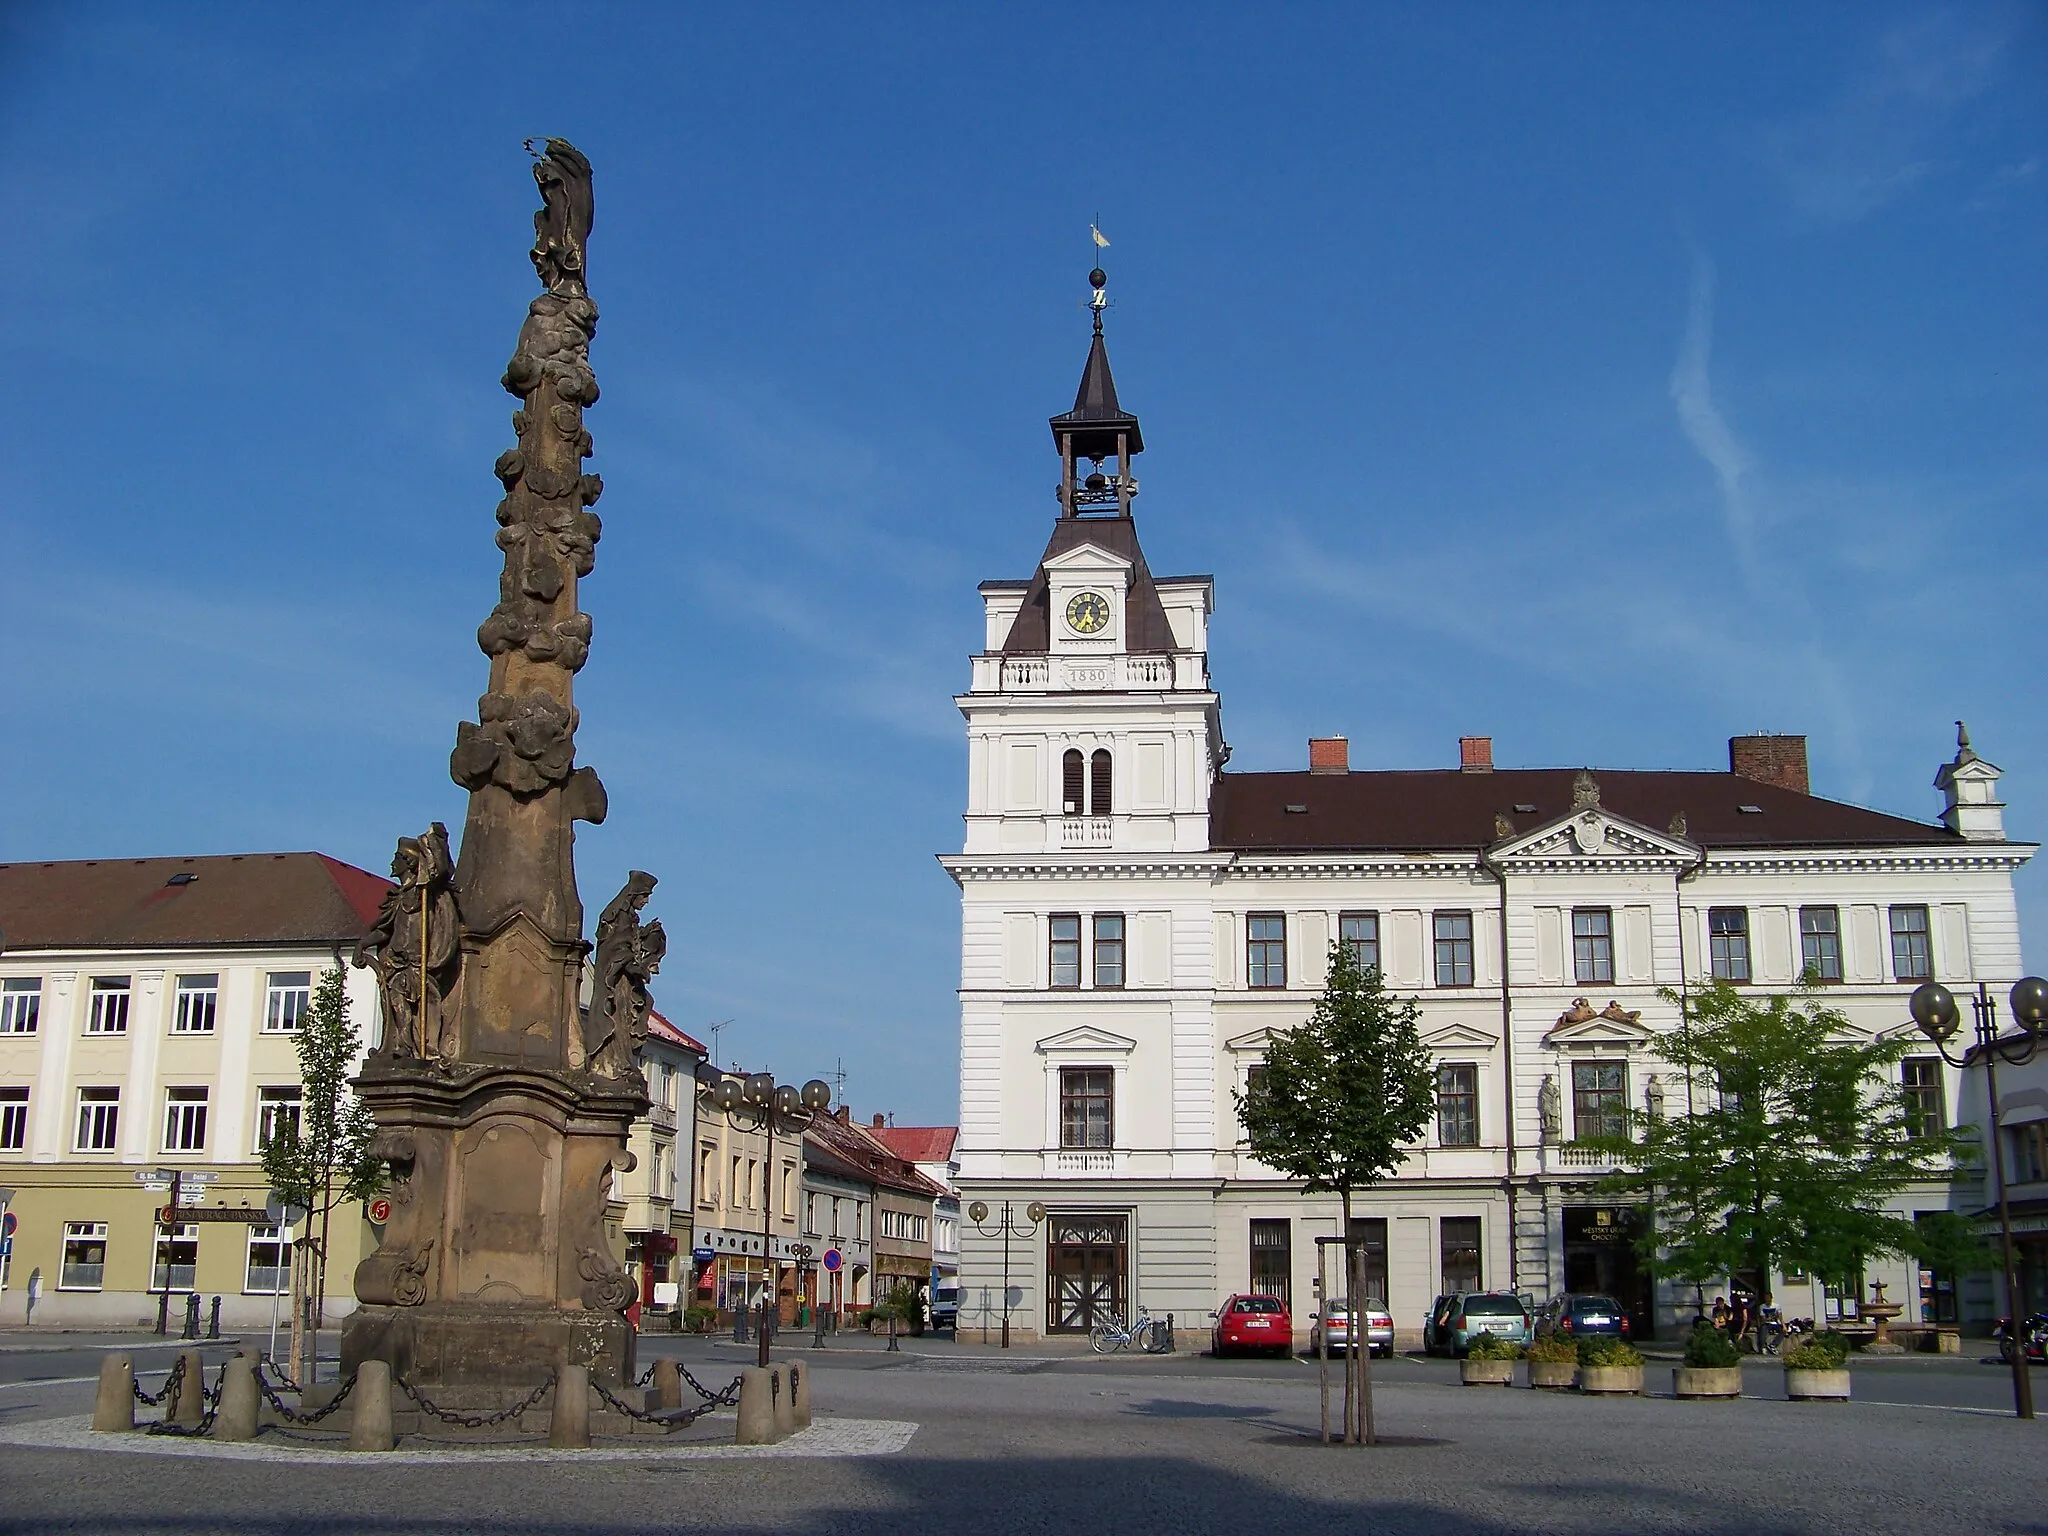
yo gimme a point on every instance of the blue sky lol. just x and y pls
(1607, 379)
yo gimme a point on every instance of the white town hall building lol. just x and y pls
(1135, 920)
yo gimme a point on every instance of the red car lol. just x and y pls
(1252, 1322)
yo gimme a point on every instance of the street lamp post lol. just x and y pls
(1934, 1010)
(758, 1103)
(978, 1213)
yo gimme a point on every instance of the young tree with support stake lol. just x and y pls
(1799, 1135)
(1338, 1103)
(322, 1161)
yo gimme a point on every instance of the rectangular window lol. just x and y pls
(1265, 935)
(184, 1119)
(1820, 943)
(269, 1271)
(198, 998)
(1728, 943)
(99, 1119)
(706, 1195)
(13, 1119)
(1064, 933)
(736, 1192)
(810, 1215)
(1086, 1106)
(1454, 949)
(1920, 1079)
(288, 997)
(21, 1004)
(1457, 1105)
(1109, 949)
(2029, 1146)
(85, 1256)
(1593, 944)
(1273, 1258)
(1599, 1099)
(789, 1190)
(109, 1013)
(1458, 1237)
(1370, 1234)
(1359, 933)
(177, 1258)
(277, 1114)
(1912, 948)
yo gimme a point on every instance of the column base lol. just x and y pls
(452, 1344)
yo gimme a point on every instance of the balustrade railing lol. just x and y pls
(1084, 832)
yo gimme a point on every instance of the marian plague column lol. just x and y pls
(502, 1105)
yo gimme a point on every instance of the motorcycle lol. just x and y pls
(2033, 1330)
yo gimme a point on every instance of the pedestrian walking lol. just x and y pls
(35, 1295)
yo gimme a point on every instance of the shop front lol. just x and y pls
(1600, 1256)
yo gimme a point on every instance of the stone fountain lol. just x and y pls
(502, 1106)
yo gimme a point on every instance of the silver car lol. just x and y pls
(1374, 1320)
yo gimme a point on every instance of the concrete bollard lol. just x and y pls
(234, 1418)
(668, 1385)
(783, 1401)
(569, 1428)
(800, 1394)
(113, 1406)
(757, 1409)
(188, 1405)
(369, 1426)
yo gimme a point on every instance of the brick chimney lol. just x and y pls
(1475, 754)
(1779, 760)
(881, 1121)
(1329, 754)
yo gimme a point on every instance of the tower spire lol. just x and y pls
(1097, 428)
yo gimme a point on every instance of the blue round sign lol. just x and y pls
(832, 1261)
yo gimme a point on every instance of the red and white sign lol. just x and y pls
(380, 1210)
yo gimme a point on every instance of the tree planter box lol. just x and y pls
(1816, 1386)
(1487, 1373)
(1626, 1379)
(1707, 1381)
(1553, 1375)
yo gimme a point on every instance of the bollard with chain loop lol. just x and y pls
(168, 1389)
(474, 1420)
(277, 1403)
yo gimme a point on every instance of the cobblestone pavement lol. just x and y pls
(1174, 1451)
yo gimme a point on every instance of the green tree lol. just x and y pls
(1340, 1100)
(321, 1159)
(1798, 1136)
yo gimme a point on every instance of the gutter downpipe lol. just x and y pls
(1508, 1098)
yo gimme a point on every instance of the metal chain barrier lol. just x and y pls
(647, 1376)
(728, 1397)
(169, 1387)
(290, 1416)
(667, 1420)
(475, 1420)
(209, 1399)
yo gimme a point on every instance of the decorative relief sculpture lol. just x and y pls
(394, 1277)
(628, 954)
(525, 744)
(607, 1288)
(1653, 1097)
(414, 946)
(1550, 1109)
(1580, 1012)
(1585, 791)
(1614, 1013)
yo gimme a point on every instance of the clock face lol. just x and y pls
(1087, 612)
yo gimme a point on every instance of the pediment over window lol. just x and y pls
(1460, 1037)
(1087, 557)
(1088, 1039)
(1257, 1041)
(1592, 832)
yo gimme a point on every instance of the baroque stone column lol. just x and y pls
(502, 1106)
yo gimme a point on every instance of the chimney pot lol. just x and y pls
(880, 1122)
(1475, 754)
(1329, 754)
(1770, 759)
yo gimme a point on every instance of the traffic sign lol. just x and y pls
(833, 1261)
(8, 1223)
(703, 1255)
(380, 1210)
(6, 1247)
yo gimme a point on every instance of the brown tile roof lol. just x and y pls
(1445, 809)
(1146, 627)
(242, 898)
(918, 1143)
(659, 1025)
(856, 1148)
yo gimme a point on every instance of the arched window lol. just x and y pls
(1070, 783)
(1098, 784)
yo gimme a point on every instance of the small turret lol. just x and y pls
(1969, 786)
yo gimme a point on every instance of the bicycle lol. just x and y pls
(1144, 1330)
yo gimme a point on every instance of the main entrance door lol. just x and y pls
(1084, 1263)
(1600, 1256)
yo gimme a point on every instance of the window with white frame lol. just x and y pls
(269, 1270)
(277, 1113)
(177, 1258)
(810, 1214)
(99, 1119)
(108, 1014)
(286, 1000)
(21, 1004)
(198, 1000)
(707, 1193)
(184, 1119)
(13, 1119)
(85, 1256)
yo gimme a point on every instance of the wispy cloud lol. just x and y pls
(1692, 391)
(1882, 132)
